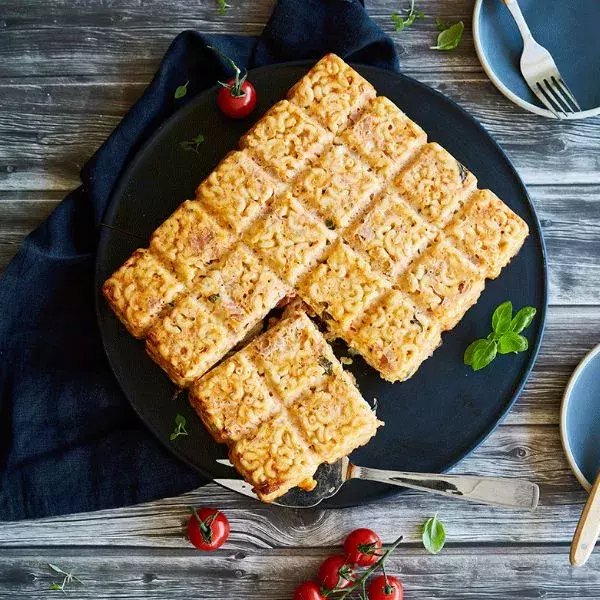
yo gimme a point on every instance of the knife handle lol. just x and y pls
(588, 528)
(495, 491)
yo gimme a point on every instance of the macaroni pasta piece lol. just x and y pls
(285, 140)
(444, 283)
(384, 136)
(237, 191)
(390, 234)
(436, 184)
(189, 240)
(331, 92)
(394, 336)
(488, 232)
(140, 290)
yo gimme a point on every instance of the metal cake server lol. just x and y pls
(494, 491)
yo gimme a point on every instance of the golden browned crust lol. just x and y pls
(337, 187)
(342, 286)
(436, 184)
(190, 239)
(394, 336)
(274, 458)
(334, 418)
(285, 139)
(290, 239)
(384, 136)
(238, 191)
(331, 92)
(239, 288)
(140, 290)
(390, 235)
(488, 232)
(444, 283)
(233, 399)
(294, 355)
(189, 340)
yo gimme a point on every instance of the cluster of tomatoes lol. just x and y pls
(362, 548)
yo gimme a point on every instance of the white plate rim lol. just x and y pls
(563, 417)
(584, 114)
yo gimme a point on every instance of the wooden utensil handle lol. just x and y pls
(588, 528)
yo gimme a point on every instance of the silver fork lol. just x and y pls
(540, 71)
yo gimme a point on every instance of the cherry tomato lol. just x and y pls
(335, 572)
(237, 99)
(308, 590)
(208, 529)
(386, 587)
(362, 547)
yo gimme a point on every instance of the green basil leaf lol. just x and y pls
(398, 22)
(434, 535)
(56, 586)
(179, 420)
(512, 342)
(181, 91)
(522, 319)
(502, 317)
(450, 38)
(470, 351)
(483, 354)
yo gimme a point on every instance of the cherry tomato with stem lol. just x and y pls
(362, 547)
(335, 573)
(386, 587)
(208, 528)
(308, 590)
(237, 96)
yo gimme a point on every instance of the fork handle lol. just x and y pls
(495, 491)
(515, 11)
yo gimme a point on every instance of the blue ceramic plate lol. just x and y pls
(569, 30)
(580, 420)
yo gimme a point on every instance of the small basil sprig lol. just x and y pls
(450, 36)
(193, 144)
(180, 429)
(181, 91)
(434, 535)
(505, 338)
(401, 22)
(223, 6)
(67, 578)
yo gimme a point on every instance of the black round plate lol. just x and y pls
(433, 420)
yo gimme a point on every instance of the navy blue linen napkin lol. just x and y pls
(69, 440)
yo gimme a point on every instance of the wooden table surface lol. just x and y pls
(69, 70)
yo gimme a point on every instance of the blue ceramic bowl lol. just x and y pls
(569, 30)
(580, 420)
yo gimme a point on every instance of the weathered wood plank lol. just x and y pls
(93, 37)
(532, 452)
(458, 574)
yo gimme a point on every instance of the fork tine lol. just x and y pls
(565, 88)
(557, 98)
(543, 100)
(560, 94)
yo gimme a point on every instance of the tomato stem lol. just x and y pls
(345, 592)
(205, 526)
(236, 87)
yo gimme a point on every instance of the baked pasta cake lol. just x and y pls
(140, 290)
(335, 195)
(238, 191)
(384, 136)
(332, 92)
(283, 405)
(285, 140)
